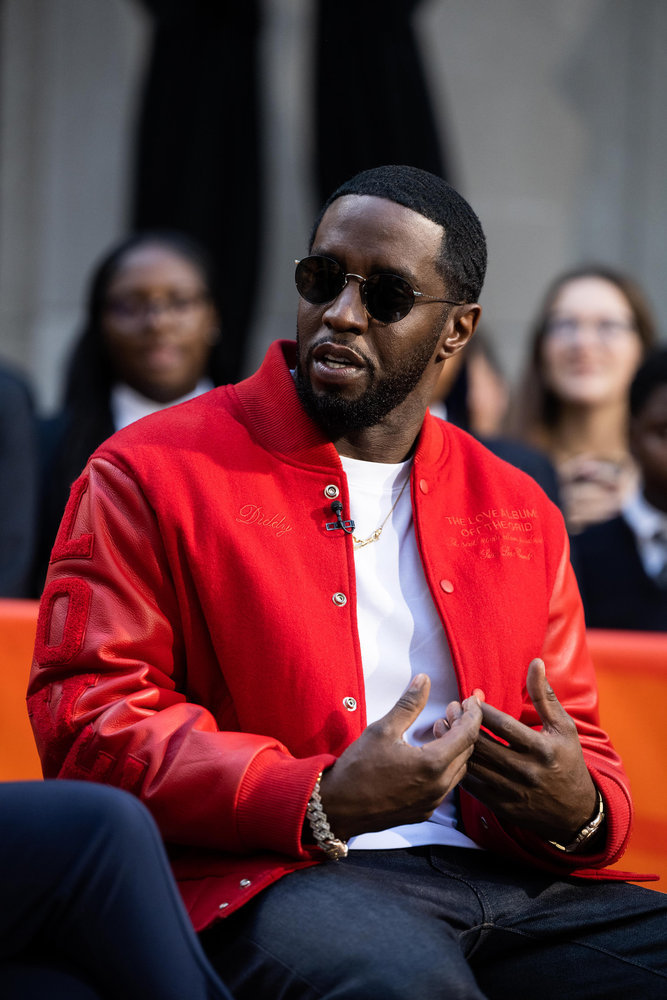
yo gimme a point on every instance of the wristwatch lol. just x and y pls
(586, 832)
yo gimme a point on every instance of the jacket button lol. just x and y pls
(484, 823)
(331, 491)
(339, 599)
(350, 703)
(222, 906)
(447, 586)
(423, 486)
(244, 883)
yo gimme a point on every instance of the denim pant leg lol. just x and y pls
(85, 883)
(574, 938)
(376, 925)
(443, 923)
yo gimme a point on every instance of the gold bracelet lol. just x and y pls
(333, 848)
(586, 831)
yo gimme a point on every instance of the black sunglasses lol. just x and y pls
(386, 297)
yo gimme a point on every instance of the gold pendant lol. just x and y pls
(360, 542)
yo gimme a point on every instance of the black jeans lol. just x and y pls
(436, 922)
(88, 904)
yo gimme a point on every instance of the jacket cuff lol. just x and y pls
(273, 798)
(484, 828)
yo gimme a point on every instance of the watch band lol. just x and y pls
(586, 831)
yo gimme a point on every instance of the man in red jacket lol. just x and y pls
(311, 626)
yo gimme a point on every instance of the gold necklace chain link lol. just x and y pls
(360, 542)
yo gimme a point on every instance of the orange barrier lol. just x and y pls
(18, 755)
(632, 677)
(631, 669)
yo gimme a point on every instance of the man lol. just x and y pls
(255, 625)
(621, 564)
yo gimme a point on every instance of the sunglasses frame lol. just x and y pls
(417, 297)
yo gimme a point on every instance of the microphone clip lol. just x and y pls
(347, 526)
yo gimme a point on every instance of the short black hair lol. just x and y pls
(462, 260)
(651, 374)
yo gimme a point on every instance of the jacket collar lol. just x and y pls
(272, 408)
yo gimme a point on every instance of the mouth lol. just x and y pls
(336, 356)
(335, 365)
(162, 357)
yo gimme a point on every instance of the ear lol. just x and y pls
(461, 324)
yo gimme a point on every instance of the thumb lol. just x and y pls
(408, 706)
(543, 697)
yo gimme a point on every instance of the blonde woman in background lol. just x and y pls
(589, 338)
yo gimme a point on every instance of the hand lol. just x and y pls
(380, 781)
(539, 780)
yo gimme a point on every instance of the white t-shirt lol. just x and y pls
(400, 631)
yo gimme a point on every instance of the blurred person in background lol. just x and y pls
(473, 393)
(589, 338)
(151, 339)
(621, 564)
(18, 484)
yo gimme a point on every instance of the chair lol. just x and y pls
(19, 759)
(631, 670)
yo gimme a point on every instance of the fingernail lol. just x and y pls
(417, 682)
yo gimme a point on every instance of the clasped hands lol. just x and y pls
(534, 779)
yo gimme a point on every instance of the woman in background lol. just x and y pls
(150, 339)
(592, 331)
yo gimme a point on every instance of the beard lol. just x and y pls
(337, 415)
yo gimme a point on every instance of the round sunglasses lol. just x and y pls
(386, 297)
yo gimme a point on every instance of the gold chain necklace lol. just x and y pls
(360, 542)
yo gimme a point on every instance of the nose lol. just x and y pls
(157, 317)
(156, 311)
(587, 333)
(347, 311)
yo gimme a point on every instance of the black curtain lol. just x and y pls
(372, 98)
(198, 160)
(198, 144)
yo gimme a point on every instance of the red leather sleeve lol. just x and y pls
(106, 690)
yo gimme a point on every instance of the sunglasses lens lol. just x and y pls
(388, 298)
(319, 279)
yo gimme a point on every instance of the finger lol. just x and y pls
(440, 727)
(454, 711)
(551, 712)
(407, 708)
(460, 736)
(507, 729)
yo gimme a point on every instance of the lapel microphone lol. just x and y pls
(347, 526)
